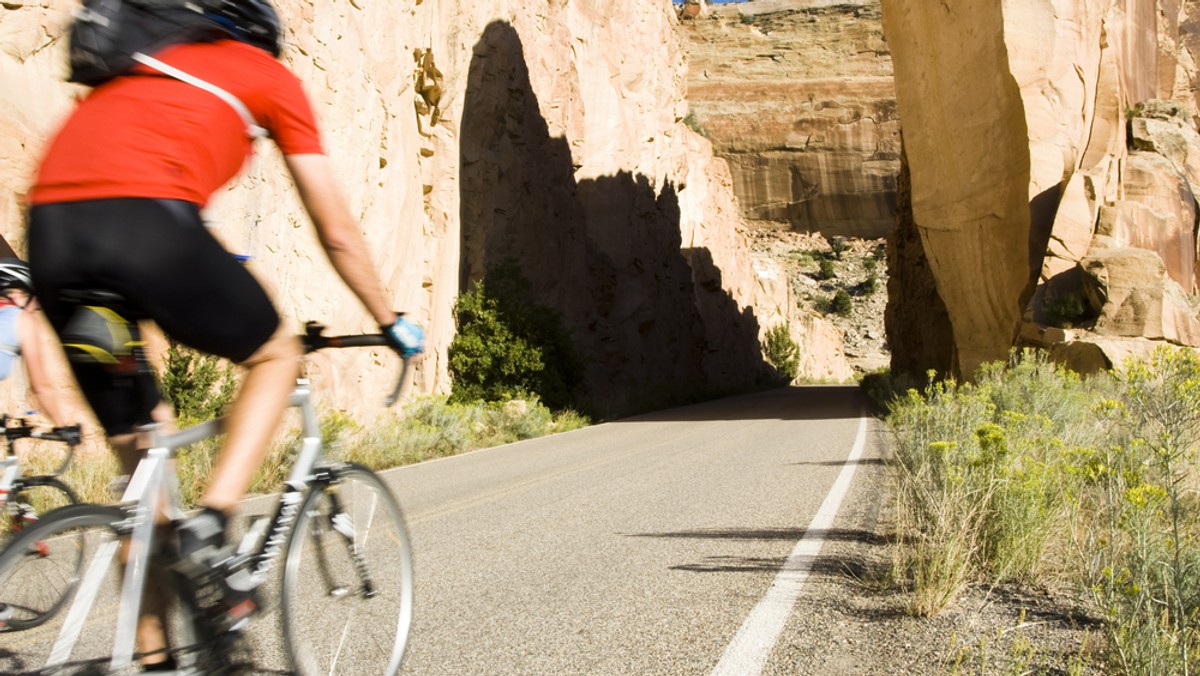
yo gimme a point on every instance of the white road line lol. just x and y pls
(747, 653)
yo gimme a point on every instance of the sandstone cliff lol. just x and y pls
(467, 133)
(1049, 185)
(797, 95)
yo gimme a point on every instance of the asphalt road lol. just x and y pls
(661, 544)
(633, 547)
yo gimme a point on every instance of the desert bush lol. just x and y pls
(200, 386)
(825, 269)
(509, 347)
(1034, 474)
(692, 123)
(867, 286)
(436, 426)
(841, 304)
(782, 352)
(1066, 311)
(838, 246)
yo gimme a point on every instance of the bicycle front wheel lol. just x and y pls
(30, 498)
(47, 571)
(347, 578)
(82, 541)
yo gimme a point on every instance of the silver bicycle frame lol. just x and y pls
(153, 480)
(10, 472)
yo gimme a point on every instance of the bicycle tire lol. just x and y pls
(342, 613)
(91, 529)
(31, 497)
(28, 605)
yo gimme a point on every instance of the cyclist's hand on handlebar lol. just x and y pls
(405, 337)
(71, 434)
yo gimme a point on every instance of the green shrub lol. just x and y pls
(841, 304)
(1066, 311)
(838, 246)
(782, 352)
(825, 269)
(867, 286)
(509, 347)
(692, 123)
(1037, 475)
(199, 386)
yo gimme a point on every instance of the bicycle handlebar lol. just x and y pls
(314, 340)
(69, 435)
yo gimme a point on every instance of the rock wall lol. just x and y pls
(797, 96)
(467, 133)
(1037, 189)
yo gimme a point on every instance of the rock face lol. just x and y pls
(797, 95)
(466, 134)
(1052, 152)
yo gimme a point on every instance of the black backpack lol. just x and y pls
(106, 34)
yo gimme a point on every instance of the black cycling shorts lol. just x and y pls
(159, 256)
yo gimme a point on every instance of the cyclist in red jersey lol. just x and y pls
(116, 206)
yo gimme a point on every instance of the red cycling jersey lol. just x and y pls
(149, 135)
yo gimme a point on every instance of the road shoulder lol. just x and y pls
(852, 619)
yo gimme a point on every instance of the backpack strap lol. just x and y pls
(253, 130)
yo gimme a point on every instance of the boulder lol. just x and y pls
(1130, 293)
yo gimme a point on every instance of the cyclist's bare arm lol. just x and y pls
(339, 233)
(30, 334)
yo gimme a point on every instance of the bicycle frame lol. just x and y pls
(154, 481)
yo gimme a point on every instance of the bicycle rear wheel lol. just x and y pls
(54, 564)
(347, 578)
(76, 642)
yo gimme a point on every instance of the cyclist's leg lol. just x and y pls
(211, 302)
(253, 418)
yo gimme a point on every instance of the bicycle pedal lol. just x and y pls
(233, 613)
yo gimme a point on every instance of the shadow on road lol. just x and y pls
(799, 402)
(868, 569)
(877, 462)
(791, 534)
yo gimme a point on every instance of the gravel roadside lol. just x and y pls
(851, 618)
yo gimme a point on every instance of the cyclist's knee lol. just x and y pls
(284, 345)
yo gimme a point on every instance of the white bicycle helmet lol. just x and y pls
(14, 274)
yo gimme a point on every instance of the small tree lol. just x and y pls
(199, 386)
(782, 352)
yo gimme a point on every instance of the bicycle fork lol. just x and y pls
(342, 522)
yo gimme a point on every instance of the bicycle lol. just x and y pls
(345, 553)
(48, 571)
